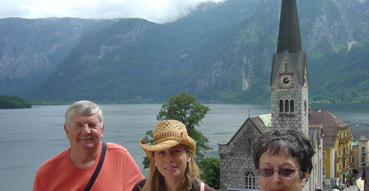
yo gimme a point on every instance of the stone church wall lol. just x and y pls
(236, 159)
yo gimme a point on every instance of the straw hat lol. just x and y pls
(168, 134)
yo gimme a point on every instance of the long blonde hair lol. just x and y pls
(155, 181)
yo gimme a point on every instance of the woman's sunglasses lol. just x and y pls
(283, 172)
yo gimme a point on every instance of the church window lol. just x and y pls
(286, 106)
(280, 106)
(250, 180)
(305, 107)
(249, 142)
(292, 106)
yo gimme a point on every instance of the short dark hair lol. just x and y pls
(292, 142)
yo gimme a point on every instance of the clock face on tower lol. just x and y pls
(285, 80)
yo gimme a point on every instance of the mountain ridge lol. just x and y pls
(225, 60)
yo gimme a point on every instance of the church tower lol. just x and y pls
(289, 78)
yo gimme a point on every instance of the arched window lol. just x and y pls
(286, 106)
(280, 106)
(292, 106)
(250, 180)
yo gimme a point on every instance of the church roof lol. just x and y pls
(256, 122)
(289, 42)
(289, 30)
(267, 120)
(330, 123)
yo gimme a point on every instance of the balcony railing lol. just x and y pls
(343, 170)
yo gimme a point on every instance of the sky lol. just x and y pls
(159, 11)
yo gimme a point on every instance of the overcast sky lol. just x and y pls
(159, 11)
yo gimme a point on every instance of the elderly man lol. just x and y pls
(73, 169)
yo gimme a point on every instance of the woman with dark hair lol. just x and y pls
(172, 164)
(283, 159)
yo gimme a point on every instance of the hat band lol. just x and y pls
(168, 136)
(166, 139)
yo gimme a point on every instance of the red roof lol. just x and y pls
(330, 123)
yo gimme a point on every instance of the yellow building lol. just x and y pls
(337, 145)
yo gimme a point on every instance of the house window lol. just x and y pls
(363, 149)
(323, 170)
(362, 159)
(250, 180)
(323, 155)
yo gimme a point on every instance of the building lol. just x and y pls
(337, 145)
(237, 170)
(289, 110)
(360, 147)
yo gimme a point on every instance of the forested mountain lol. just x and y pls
(30, 49)
(222, 52)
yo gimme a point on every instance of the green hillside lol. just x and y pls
(13, 102)
(223, 54)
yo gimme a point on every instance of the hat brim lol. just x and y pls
(158, 146)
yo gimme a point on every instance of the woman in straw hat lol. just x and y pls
(172, 164)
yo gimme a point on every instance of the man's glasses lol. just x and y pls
(283, 172)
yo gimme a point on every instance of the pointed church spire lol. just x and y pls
(289, 30)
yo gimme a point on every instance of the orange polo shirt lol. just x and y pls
(119, 172)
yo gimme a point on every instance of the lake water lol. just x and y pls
(28, 137)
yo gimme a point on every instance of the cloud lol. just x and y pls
(159, 11)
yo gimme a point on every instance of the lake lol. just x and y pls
(28, 137)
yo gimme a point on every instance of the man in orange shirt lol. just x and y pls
(73, 168)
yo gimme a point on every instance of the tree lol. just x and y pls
(183, 107)
(211, 171)
(11, 102)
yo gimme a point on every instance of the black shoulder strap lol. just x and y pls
(98, 168)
